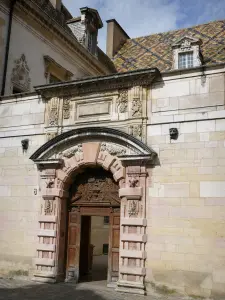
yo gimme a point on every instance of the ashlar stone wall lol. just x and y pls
(186, 207)
(21, 118)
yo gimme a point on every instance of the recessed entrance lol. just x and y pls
(93, 227)
(94, 248)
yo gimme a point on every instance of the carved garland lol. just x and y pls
(113, 149)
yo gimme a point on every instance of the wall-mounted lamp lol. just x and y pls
(174, 133)
(25, 144)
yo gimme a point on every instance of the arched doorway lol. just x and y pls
(130, 162)
(93, 195)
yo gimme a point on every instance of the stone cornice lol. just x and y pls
(103, 83)
(37, 11)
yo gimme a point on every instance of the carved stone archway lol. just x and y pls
(128, 159)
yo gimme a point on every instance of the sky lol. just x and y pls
(144, 17)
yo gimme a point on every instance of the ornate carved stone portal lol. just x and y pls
(111, 182)
(95, 187)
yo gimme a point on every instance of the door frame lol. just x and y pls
(93, 211)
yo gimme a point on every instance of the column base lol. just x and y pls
(131, 287)
(47, 277)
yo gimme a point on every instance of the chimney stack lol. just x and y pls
(56, 4)
(116, 37)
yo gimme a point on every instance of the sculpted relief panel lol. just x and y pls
(95, 187)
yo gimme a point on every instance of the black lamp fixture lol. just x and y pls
(25, 144)
(174, 133)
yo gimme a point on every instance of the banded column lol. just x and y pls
(52, 211)
(133, 231)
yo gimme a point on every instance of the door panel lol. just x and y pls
(114, 243)
(85, 244)
(73, 249)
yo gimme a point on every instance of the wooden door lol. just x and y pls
(114, 245)
(85, 245)
(73, 249)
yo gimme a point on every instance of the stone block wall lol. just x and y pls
(19, 195)
(186, 207)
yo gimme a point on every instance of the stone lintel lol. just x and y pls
(45, 262)
(134, 222)
(47, 233)
(46, 247)
(133, 271)
(133, 254)
(47, 219)
(131, 193)
(134, 237)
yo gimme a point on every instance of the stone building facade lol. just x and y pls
(36, 40)
(159, 132)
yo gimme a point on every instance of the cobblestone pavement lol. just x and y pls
(11, 289)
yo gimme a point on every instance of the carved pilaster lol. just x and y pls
(133, 222)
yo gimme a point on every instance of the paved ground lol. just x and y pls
(11, 289)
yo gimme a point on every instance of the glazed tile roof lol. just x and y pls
(155, 51)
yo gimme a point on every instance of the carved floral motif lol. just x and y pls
(123, 101)
(113, 149)
(95, 186)
(20, 74)
(71, 152)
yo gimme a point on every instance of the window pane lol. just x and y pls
(185, 60)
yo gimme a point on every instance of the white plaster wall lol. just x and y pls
(26, 40)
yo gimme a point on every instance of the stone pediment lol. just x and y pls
(186, 41)
(112, 141)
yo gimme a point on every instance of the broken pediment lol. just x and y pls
(186, 42)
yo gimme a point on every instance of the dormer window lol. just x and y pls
(186, 53)
(185, 60)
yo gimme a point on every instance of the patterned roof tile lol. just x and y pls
(155, 51)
